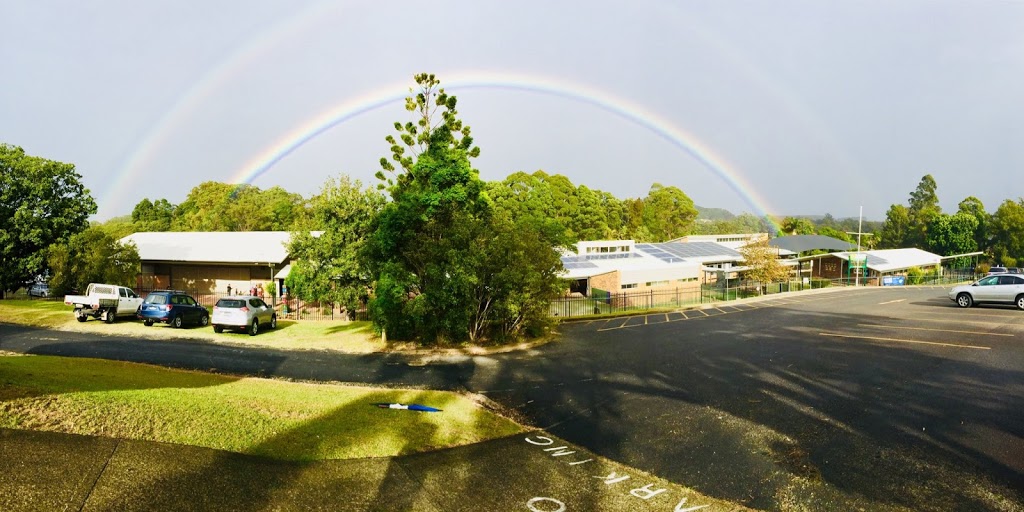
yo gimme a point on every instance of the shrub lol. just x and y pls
(915, 275)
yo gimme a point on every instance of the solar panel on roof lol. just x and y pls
(573, 263)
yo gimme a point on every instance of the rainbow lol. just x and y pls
(176, 117)
(621, 107)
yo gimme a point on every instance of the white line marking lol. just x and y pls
(891, 301)
(902, 341)
(938, 330)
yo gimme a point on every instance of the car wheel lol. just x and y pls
(109, 316)
(81, 317)
(176, 322)
(148, 323)
(204, 320)
(964, 300)
(1020, 302)
(218, 329)
(273, 322)
(254, 328)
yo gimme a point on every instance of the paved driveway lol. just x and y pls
(872, 399)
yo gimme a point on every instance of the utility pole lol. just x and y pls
(860, 231)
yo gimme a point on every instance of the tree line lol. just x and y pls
(435, 253)
(921, 223)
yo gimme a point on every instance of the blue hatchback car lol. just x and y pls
(173, 307)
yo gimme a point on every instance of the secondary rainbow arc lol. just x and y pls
(623, 108)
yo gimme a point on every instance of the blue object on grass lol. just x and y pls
(409, 407)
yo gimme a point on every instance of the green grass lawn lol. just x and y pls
(271, 418)
(352, 337)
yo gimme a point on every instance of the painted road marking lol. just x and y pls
(978, 333)
(891, 302)
(989, 323)
(898, 340)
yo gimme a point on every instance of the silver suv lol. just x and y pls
(245, 312)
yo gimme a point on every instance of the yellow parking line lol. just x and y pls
(978, 333)
(874, 338)
(701, 311)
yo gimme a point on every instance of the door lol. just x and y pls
(987, 289)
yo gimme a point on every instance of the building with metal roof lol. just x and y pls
(624, 265)
(210, 262)
(795, 244)
(878, 263)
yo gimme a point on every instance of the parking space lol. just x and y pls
(858, 399)
(872, 398)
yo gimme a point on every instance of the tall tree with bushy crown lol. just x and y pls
(421, 253)
(42, 202)
(438, 254)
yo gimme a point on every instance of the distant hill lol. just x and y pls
(714, 213)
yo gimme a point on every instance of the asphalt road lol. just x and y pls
(865, 399)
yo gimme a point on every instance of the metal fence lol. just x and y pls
(603, 303)
(573, 307)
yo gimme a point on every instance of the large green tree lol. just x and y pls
(895, 230)
(581, 212)
(668, 213)
(518, 276)
(328, 241)
(796, 226)
(923, 208)
(447, 264)
(42, 202)
(973, 206)
(953, 234)
(153, 215)
(1007, 230)
(92, 256)
(214, 206)
(422, 253)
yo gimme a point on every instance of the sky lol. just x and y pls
(783, 107)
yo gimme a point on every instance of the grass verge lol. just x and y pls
(270, 418)
(349, 337)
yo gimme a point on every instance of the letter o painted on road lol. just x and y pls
(534, 501)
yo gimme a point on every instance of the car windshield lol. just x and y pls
(230, 303)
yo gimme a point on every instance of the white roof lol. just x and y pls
(887, 260)
(646, 262)
(242, 247)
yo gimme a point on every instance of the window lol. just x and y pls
(628, 286)
(657, 283)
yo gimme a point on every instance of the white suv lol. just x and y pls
(244, 312)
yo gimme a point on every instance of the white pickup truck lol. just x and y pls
(104, 301)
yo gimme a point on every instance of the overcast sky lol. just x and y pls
(794, 107)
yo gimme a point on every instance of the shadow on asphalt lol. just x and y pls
(763, 411)
(754, 407)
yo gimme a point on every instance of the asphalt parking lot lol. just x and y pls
(858, 399)
(867, 399)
